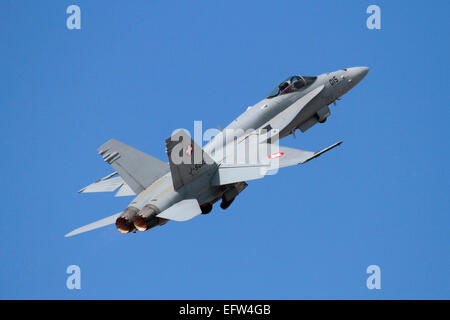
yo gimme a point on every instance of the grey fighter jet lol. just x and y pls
(194, 178)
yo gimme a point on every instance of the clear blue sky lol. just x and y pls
(138, 70)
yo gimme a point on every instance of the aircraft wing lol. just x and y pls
(270, 158)
(109, 183)
(289, 157)
(95, 225)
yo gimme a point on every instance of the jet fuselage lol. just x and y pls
(161, 193)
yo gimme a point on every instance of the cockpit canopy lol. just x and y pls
(291, 84)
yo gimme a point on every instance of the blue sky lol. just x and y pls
(138, 70)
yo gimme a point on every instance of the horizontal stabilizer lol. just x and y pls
(182, 211)
(138, 169)
(108, 184)
(125, 191)
(233, 174)
(95, 225)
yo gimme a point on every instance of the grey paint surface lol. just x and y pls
(177, 191)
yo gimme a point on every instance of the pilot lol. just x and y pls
(296, 82)
(285, 87)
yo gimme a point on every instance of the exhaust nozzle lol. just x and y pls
(147, 219)
(124, 222)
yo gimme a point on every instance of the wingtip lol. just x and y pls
(72, 233)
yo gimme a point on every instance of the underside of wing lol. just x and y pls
(289, 156)
(95, 225)
(270, 158)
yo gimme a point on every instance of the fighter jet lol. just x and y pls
(195, 178)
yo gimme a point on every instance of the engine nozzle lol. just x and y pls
(124, 222)
(147, 219)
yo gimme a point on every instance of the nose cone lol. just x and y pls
(356, 74)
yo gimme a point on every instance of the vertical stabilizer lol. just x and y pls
(187, 160)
